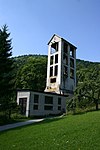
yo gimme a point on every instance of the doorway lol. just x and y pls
(23, 104)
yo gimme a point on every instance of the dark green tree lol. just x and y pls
(88, 91)
(32, 74)
(6, 68)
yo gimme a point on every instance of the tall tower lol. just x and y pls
(61, 69)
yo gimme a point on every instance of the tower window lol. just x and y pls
(51, 60)
(71, 73)
(71, 62)
(56, 70)
(66, 60)
(66, 48)
(54, 47)
(51, 71)
(56, 58)
(71, 51)
(65, 71)
(53, 80)
(65, 57)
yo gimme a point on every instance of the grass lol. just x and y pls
(73, 132)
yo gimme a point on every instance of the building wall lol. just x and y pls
(63, 81)
(34, 108)
(52, 87)
(70, 81)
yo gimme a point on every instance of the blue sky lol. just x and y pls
(32, 23)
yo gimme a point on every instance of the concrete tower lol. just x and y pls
(61, 69)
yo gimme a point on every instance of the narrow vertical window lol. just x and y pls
(36, 98)
(65, 71)
(51, 71)
(71, 73)
(71, 51)
(56, 58)
(59, 101)
(72, 62)
(56, 70)
(54, 47)
(66, 48)
(51, 60)
(66, 60)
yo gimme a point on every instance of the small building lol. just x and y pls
(60, 84)
(34, 103)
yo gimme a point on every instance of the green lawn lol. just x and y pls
(77, 132)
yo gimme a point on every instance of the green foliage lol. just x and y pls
(32, 73)
(78, 132)
(87, 92)
(17, 116)
(71, 105)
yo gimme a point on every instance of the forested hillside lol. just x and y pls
(30, 73)
(87, 70)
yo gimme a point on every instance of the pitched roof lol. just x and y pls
(62, 39)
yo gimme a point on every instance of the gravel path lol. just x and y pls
(19, 124)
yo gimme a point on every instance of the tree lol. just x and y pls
(6, 68)
(32, 74)
(88, 91)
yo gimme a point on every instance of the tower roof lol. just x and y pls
(55, 35)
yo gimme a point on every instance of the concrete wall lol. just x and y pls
(41, 103)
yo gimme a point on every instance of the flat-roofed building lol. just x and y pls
(34, 103)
